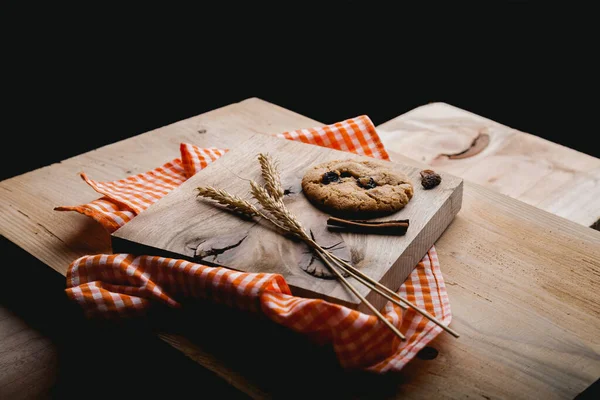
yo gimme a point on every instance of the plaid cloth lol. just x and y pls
(126, 285)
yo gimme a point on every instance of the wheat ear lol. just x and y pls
(229, 200)
(278, 210)
(271, 176)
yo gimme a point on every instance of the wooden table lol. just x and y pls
(523, 279)
(536, 171)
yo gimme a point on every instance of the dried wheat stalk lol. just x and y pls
(230, 201)
(271, 176)
(234, 203)
(278, 210)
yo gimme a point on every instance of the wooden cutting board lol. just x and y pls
(184, 226)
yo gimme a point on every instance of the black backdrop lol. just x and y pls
(76, 79)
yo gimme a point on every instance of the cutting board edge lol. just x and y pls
(125, 246)
(401, 269)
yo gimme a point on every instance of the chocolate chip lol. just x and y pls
(346, 174)
(329, 177)
(366, 183)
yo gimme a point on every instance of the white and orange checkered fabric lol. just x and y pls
(127, 285)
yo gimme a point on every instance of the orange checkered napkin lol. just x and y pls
(127, 285)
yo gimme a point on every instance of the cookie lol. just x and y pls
(357, 188)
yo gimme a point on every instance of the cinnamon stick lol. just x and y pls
(394, 227)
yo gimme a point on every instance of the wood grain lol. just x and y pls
(536, 171)
(181, 225)
(523, 283)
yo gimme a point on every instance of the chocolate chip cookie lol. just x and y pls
(357, 188)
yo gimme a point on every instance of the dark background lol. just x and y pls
(78, 78)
